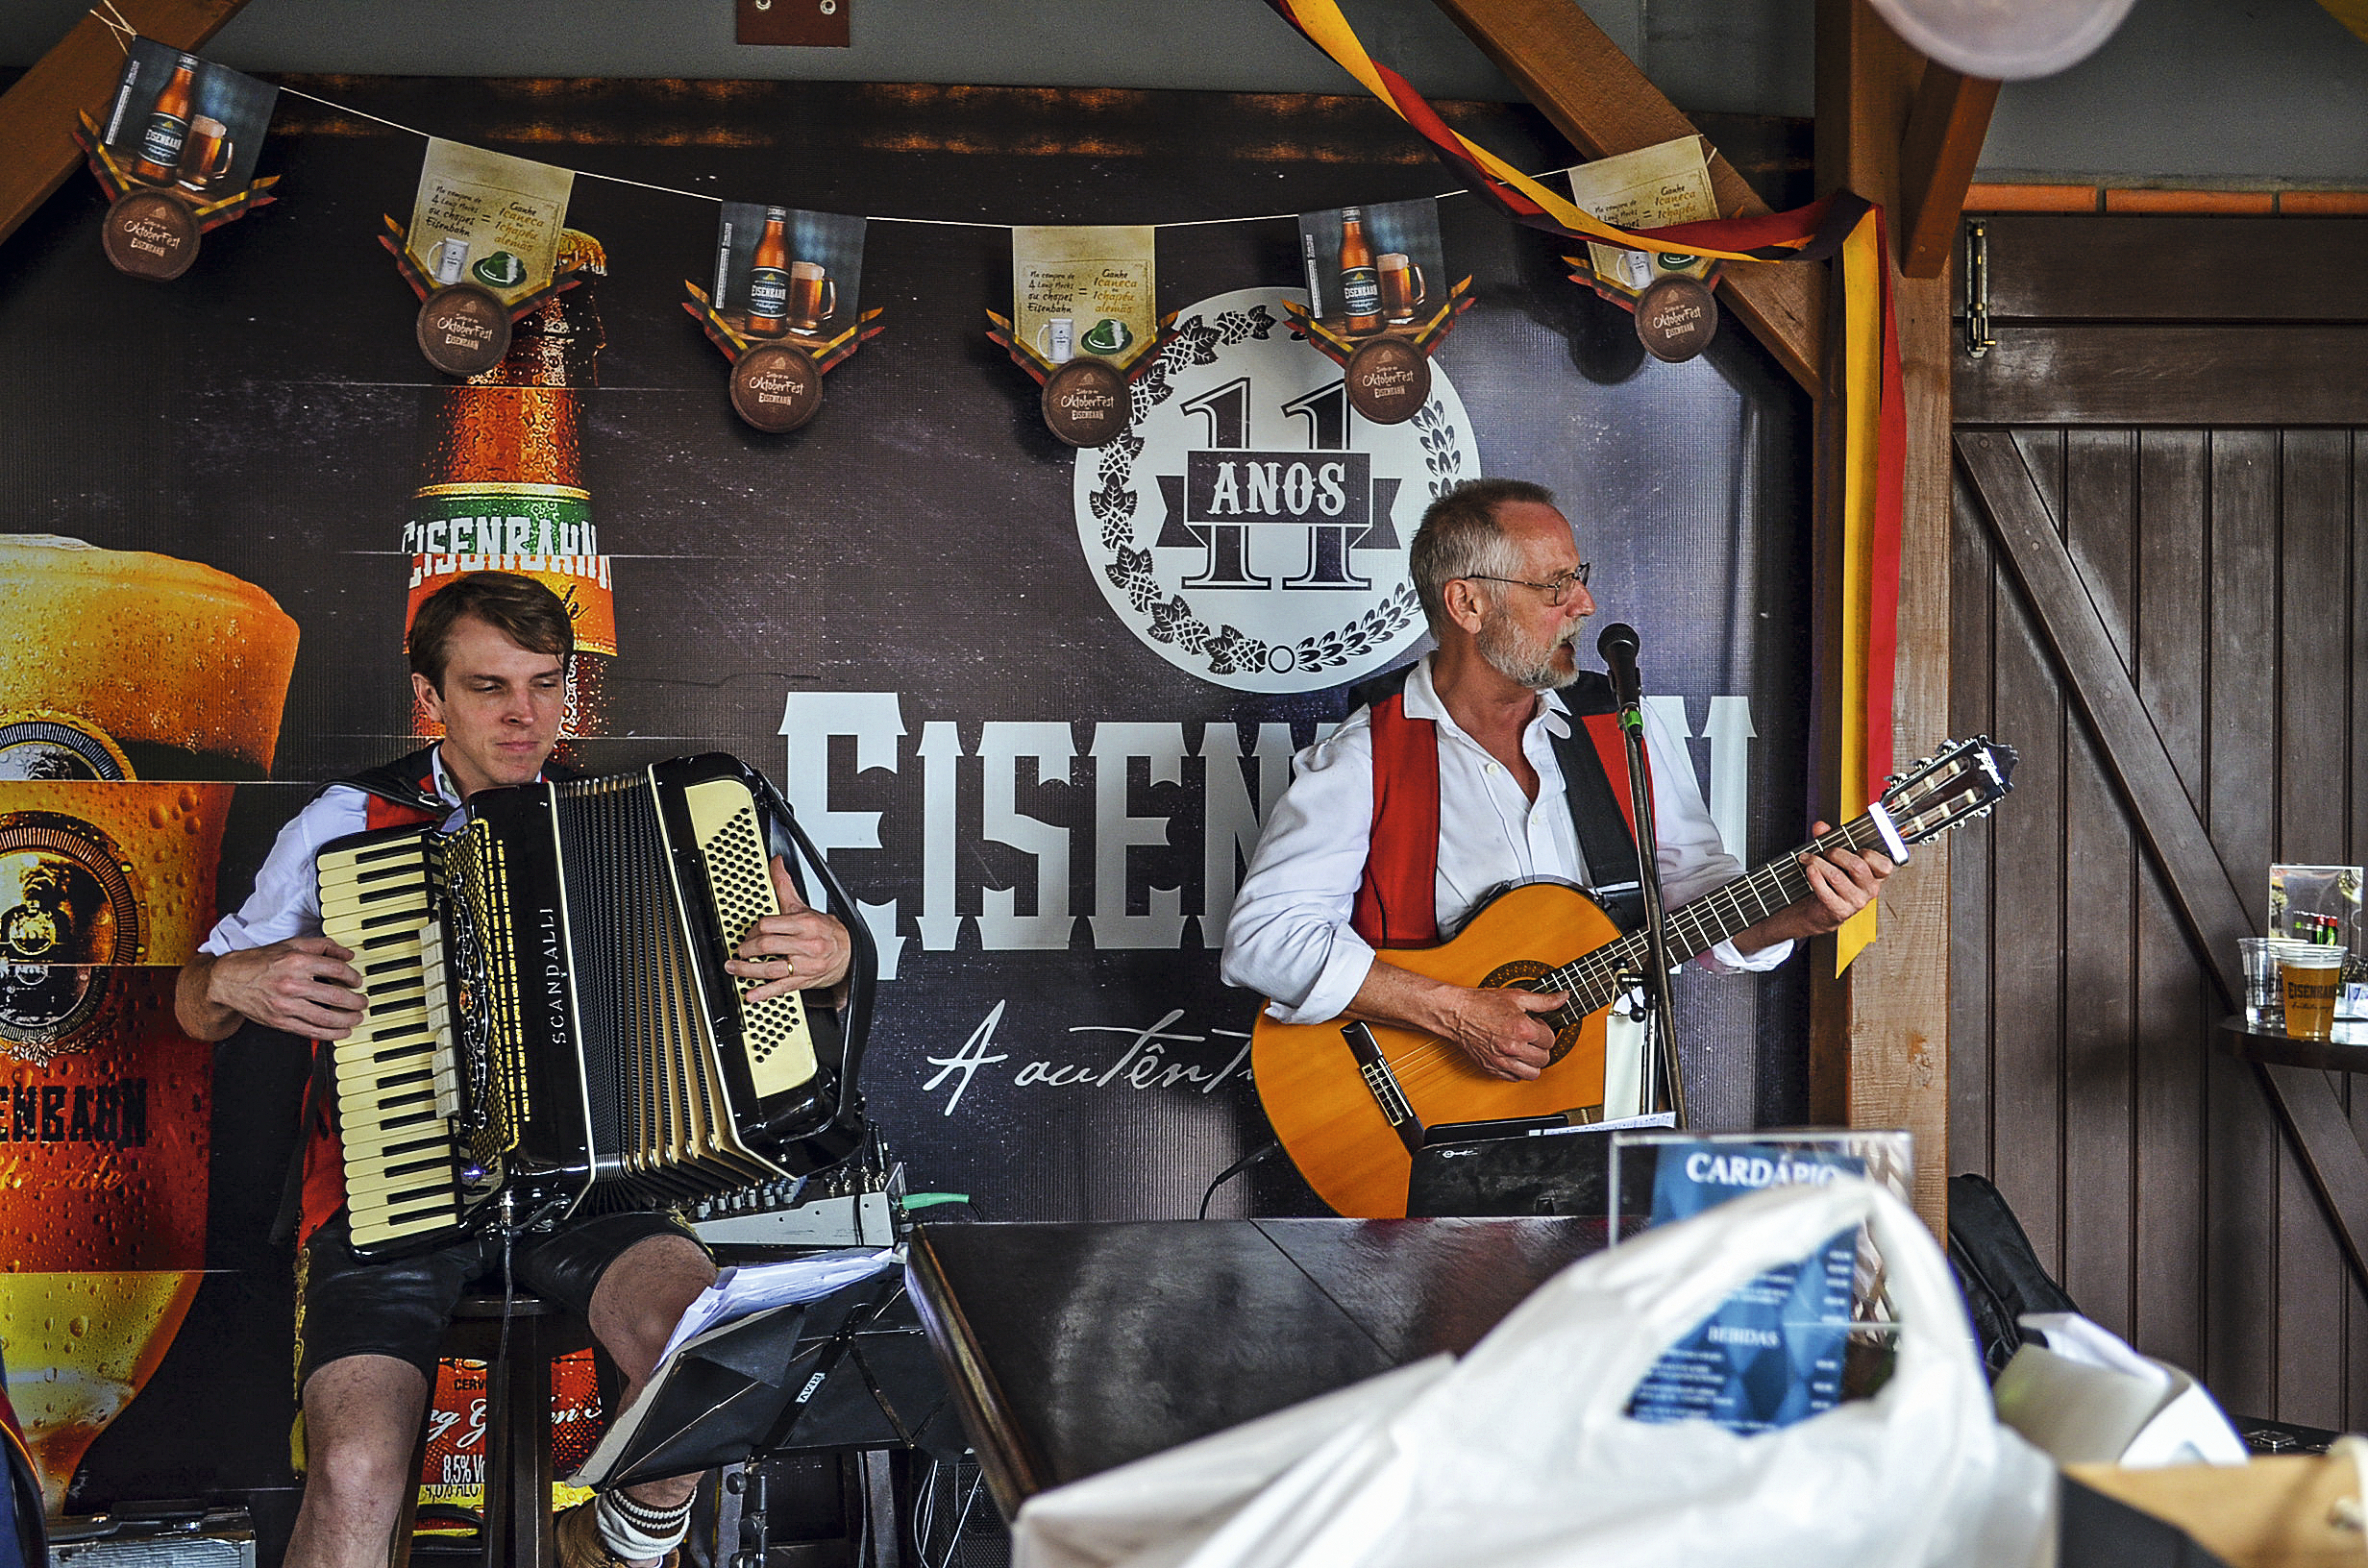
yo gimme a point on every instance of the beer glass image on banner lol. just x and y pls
(1374, 268)
(187, 123)
(781, 271)
(106, 1126)
(1257, 537)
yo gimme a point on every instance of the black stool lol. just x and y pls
(517, 1530)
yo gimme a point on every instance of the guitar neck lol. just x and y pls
(1697, 928)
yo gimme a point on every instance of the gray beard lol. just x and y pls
(1511, 657)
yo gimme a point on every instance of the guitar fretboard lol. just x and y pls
(1592, 980)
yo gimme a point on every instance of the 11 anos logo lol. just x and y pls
(1251, 527)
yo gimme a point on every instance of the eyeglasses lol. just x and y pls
(1557, 589)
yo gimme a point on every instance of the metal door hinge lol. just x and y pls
(1978, 341)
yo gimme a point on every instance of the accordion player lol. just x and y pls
(550, 1027)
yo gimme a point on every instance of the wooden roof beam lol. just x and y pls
(1595, 96)
(77, 76)
(1946, 130)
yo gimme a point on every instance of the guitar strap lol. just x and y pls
(1396, 902)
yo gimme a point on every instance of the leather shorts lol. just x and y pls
(399, 1308)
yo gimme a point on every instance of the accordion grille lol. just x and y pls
(484, 977)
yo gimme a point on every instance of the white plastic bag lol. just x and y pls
(1520, 1454)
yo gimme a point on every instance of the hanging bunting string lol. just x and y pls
(125, 32)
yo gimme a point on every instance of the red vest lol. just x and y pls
(324, 1181)
(1397, 904)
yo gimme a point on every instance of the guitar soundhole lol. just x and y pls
(1527, 974)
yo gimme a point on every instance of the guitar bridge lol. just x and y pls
(1382, 1084)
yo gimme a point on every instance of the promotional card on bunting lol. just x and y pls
(176, 157)
(1083, 292)
(784, 273)
(485, 218)
(1372, 269)
(186, 124)
(1378, 301)
(1653, 188)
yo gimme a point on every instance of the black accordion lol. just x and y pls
(551, 1030)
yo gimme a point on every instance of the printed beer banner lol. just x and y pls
(1079, 292)
(1653, 188)
(488, 219)
(783, 307)
(1372, 269)
(1378, 301)
(186, 124)
(176, 157)
(784, 273)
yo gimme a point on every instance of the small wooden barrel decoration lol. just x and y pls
(775, 388)
(1087, 402)
(149, 233)
(1389, 380)
(463, 330)
(1676, 319)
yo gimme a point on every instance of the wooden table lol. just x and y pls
(1073, 1349)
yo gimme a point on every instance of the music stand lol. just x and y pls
(849, 1370)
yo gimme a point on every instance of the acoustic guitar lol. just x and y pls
(1350, 1101)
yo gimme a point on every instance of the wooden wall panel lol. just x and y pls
(1972, 1063)
(2028, 936)
(2147, 1166)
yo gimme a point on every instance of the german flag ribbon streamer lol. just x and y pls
(1875, 424)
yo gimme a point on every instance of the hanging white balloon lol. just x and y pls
(2005, 39)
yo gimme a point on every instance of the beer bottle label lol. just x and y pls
(1361, 291)
(161, 143)
(768, 293)
(543, 531)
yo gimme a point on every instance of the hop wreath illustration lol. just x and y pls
(1228, 650)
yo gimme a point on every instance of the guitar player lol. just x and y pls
(1484, 779)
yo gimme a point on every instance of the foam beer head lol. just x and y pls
(109, 652)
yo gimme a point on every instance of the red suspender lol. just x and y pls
(1603, 729)
(1397, 904)
(324, 1187)
(1397, 901)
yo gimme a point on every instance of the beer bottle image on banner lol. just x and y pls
(501, 482)
(768, 277)
(1360, 280)
(168, 127)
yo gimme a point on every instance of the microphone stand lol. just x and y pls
(1660, 1052)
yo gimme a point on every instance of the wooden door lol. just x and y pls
(2162, 600)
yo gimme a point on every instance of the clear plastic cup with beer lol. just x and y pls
(2309, 974)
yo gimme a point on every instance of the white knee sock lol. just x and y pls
(636, 1530)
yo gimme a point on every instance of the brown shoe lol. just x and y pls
(577, 1533)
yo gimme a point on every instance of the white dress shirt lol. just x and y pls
(1289, 936)
(287, 900)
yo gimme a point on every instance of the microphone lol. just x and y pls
(1619, 647)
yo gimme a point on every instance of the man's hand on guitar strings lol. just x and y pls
(801, 948)
(1499, 1028)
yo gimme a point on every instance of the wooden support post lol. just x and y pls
(1595, 96)
(36, 116)
(1935, 164)
(1879, 1034)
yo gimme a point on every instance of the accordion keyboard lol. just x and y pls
(395, 1073)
